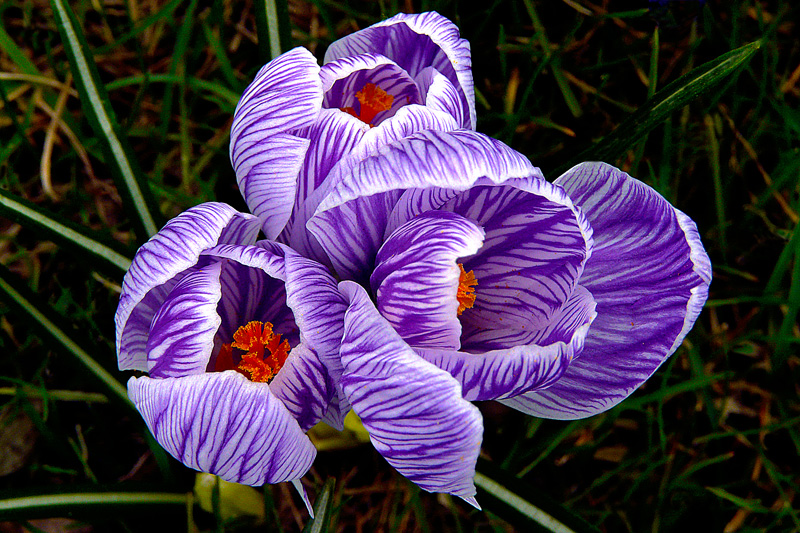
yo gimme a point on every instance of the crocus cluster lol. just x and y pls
(411, 266)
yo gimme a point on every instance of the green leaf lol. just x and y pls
(103, 120)
(273, 27)
(323, 508)
(523, 506)
(87, 503)
(698, 82)
(27, 305)
(60, 231)
(753, 506)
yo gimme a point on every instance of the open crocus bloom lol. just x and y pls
(235, 336)
(479, 280)
(298, 120)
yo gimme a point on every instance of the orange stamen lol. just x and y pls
(373, 100)
(466, 290)
(254, 338)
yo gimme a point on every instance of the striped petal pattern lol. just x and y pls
(197, 291)
(182, 332)
(167, 255)
(416, 42)
(224, 424)
(413, 411)
(350, 222)
(416, 277)
(265, 150)
(650, 276)
(343, 78)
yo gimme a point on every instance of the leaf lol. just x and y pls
(273, 27)
(323, 508)
(697, 83)
(27, 305)
(88, 503)
(103, 120)
(523, 506)
(235, 500)
(753, 506)
(62, 232)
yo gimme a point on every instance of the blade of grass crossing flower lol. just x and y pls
(518, 503)
(62, 232)
(273, 27)
(323, 508)
(100, 114)
(28, 306)
(697, 83)
(86, 503)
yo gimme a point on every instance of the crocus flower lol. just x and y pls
(234, 335)
(480, 280)
(297, 120)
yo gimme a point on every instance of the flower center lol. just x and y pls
(264, 354)
(466, 290)
(373, 100)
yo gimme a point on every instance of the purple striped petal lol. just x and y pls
(569, 325)
(439, 94)
(166, 255)
(507, 362)
(182, 333)
(332, 137)
(408, 120)
(416, 277)
(318, 307)
(304, 386)
(224, 424)
(413, 411)
(650, 276)
(416, 42)
(267, 173)
(265, 149)
(343, 78)
(351, 231)
(534, 251)
(251, 294)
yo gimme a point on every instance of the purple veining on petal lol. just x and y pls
(416, 277)
(304, 386)
(649, 275)
(533, 254)
(343, 78)
(413, 411)
(224, 424)
(416, 42)
(440, 94)
(350, 222)
(265, 149)
(181, 335)
(158, 262)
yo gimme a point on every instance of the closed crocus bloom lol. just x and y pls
(298, 120)
(235, 336)
(473, 278)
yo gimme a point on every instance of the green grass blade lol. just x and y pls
(273, 27)
(68, 503)
(518, 503)
(100, 114)
(26, 304)
(323, 507)
(62, 232)
(699, 82)
(226, 97)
